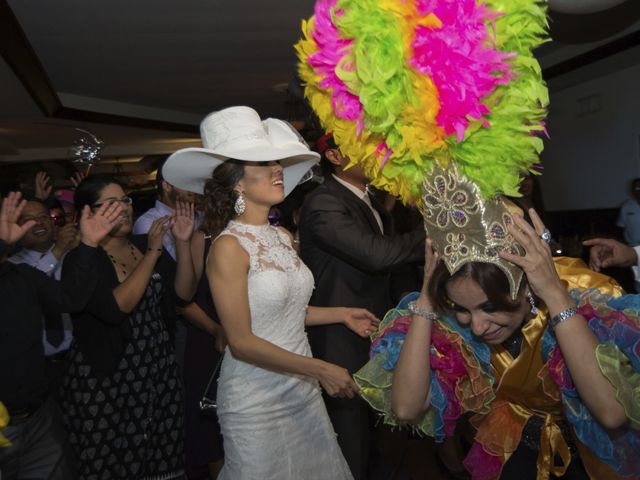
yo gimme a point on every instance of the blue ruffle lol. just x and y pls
(392, 340)
(390, 344)
(439, 403)
(621, 454)
(626, 302)
(480, 349)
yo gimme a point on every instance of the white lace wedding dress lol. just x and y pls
(275, 425)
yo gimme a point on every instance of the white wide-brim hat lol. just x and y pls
(238, 133)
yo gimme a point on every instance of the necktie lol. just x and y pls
(369, 201)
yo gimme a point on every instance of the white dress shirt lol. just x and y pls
(143, 224)
(364, 196)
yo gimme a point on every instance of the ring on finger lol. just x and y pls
(546, 236)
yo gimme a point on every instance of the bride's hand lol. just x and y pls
(361, 321)
(336, 381)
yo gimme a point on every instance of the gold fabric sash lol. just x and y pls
(522, 390)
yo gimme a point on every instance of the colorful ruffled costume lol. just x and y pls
(4, 422)
(469, 376)
(442, 104)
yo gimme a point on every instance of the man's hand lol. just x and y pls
(607, 252)
(42, 187)
(76, 178)
(68, 238)
(10, 212)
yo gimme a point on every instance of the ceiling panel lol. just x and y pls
(190, 56)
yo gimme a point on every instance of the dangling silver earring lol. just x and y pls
(240, 206)
(534, 309)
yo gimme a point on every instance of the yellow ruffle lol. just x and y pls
(4, 422)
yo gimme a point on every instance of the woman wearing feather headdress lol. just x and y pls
(441, 102)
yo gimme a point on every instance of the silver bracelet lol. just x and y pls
(562, 316)
(422, 312)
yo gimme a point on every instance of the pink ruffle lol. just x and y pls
(332, 50)
(448, 367)
(401, 324)
(558, 370)
(461, 60)
(613, 317)
(482, 465)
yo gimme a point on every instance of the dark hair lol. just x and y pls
(220, 197)
(159, 179)
(488, 276)
(52, 203)
(633, 183)
(89, 190)
(33, 199)
(326, 167)
(323, 145)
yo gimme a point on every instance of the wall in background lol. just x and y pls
(594, 148)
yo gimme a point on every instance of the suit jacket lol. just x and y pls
(351, 261)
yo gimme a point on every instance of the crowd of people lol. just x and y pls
(249, 326)
(100, 390)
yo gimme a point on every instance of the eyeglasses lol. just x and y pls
(124, 200)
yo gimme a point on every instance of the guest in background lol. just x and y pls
(65, 197)
(39, 250)
(347, 241)
(629, 216)
(122, 396)
(629, 221)
(39, 446)
(61, 205)
(204, 346)
(531, 194)
(607, 253)
(168, 197)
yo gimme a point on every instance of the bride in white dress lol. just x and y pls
(270, 408)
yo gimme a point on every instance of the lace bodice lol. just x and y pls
(269, 248)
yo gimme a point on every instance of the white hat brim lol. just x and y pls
(190, 168)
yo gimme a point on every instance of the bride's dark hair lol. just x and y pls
(220, 197)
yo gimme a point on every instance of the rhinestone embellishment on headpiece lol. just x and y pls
(465, 227)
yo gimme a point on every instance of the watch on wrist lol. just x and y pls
(562, 316)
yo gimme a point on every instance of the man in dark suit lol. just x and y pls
(346, 239)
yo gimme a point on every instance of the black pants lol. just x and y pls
(372, 452)
(522, 466)
(40, 449)
(352, 422)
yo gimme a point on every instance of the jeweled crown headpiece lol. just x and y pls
(415, 87)
(465, 227)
